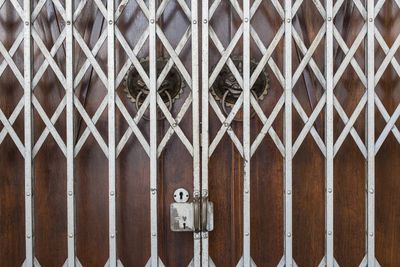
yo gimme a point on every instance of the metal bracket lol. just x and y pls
(196, 216)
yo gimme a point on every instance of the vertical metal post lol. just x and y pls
(204, 112)
(195, 121)
(246, 134)
(111, 133)
(288, 135)
(329, 135)
(28, 132)
(69, 6)
(153, 131)
(370, 190)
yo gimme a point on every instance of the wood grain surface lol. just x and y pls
(175, 163)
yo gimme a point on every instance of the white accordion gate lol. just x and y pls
(200, 77)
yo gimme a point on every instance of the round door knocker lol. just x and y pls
(227, 90)
(169, 90)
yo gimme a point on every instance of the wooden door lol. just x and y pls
(320, 186)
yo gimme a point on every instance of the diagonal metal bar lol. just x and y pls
(91, 126)
(265, 59)
(10, 130)
(11, 64)
(267, 128)
(386, 50)
(386, 116)
(12, 51)
(299, 108)
(174, 59)
(49, 125)
(49, 57)
(349, 125)
(389, 126)
(132, 126)
(174, 124)
(229, 130)
(11, 120)
(170, 132)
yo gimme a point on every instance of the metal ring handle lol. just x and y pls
(224, 105)
(138, 106)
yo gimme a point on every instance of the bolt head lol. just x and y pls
(371, 190)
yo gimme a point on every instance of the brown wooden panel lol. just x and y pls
(175, 165)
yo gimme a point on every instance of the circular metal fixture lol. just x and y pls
(227, 90)
(169, 90)
(181, 195)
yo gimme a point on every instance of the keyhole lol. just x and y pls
(181, 195)
(184, 223)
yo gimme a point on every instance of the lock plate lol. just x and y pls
(195, 216)
(182, 217)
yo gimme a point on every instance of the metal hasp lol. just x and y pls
(195, 216)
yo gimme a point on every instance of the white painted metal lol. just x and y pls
(287, 79)
(160, 263)
(204, 119)
(195, 119)
(329, 139)
(112, 261)
(246, 133)
(370, 170)
(28, 136)
(69, 58)
(288, 258)
(153, 131)
(242, 263)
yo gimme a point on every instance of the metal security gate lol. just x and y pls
(284, 114)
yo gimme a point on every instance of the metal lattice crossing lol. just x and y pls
(201, 40)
